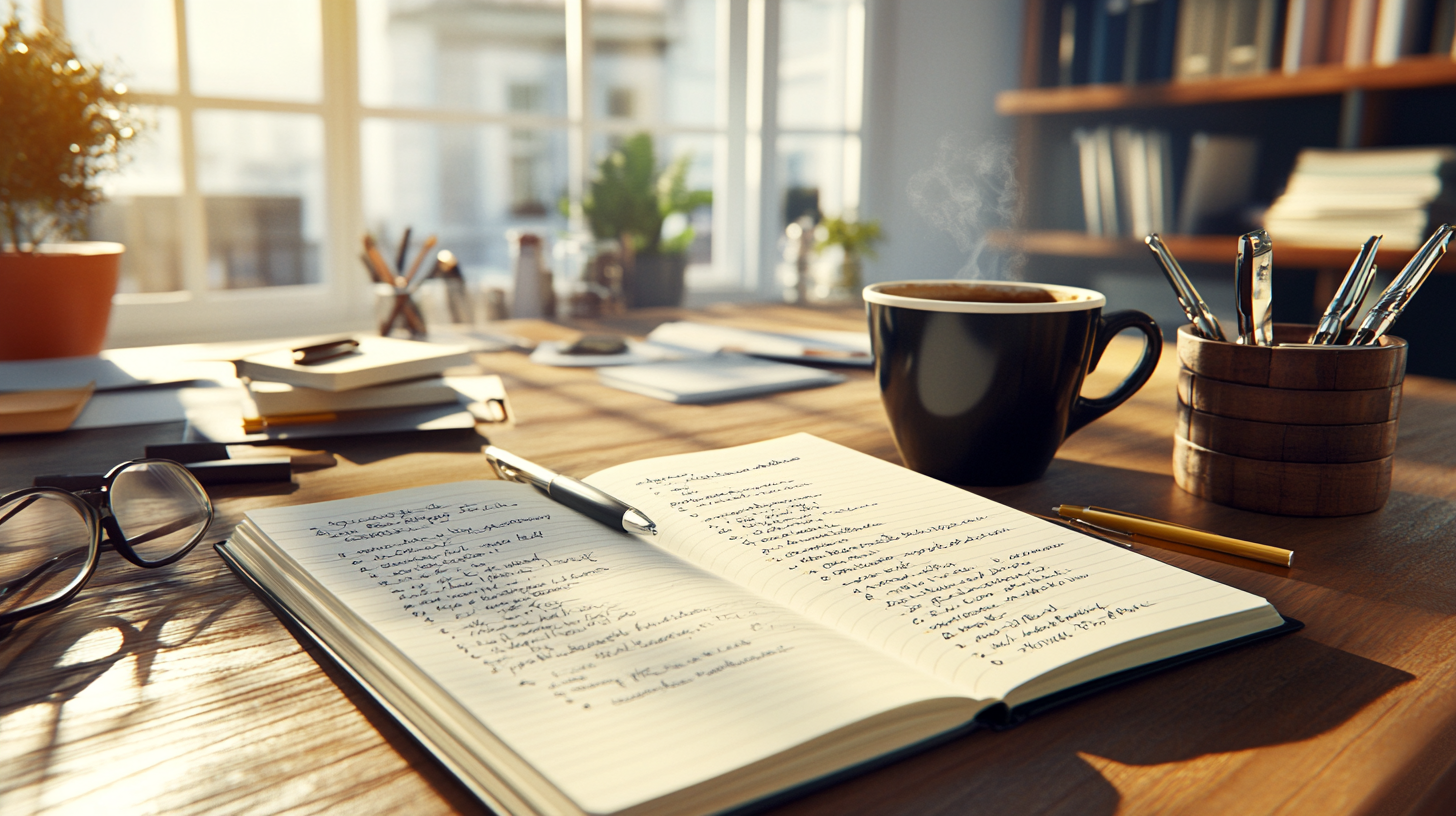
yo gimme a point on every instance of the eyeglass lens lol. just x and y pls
(159, 508)
(45, 546)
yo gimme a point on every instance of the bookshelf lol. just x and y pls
(1410, 102)
(1404, 103)
(1218, 249)
(1409, 74)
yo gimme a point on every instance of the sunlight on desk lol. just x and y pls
(177, 690)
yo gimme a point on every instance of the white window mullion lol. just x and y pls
(343, 161)
(729, 171)
(192, 213)
(578, 106)
(761, 158)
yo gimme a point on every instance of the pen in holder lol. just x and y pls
(1294, 430)
(400, 310)
(395, 287)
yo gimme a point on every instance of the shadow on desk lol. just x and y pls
(1282, 691)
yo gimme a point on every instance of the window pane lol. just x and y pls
(468, 184)
(261, 49)
(143, 207)
(654, 60)
(485, 55)
(820, 63)
(812, 173)
(261, 178)
(136, 39)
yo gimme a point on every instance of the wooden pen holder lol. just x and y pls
(1294, 431)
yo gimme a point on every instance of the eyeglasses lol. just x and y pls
(153, 512)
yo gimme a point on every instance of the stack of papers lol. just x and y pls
(715, 378)
(808, 345)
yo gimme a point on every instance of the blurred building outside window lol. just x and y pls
(281, 130)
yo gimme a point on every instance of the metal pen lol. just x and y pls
(1253, 278)
(1397, 295)
(1349, 296)
(575, 494)
(1194, 308)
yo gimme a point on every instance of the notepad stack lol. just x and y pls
(1342, 197)
(382, 373)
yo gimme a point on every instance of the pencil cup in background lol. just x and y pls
(1289, 430)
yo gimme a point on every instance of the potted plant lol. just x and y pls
(857, 240)
(631, 201)
(64, 125)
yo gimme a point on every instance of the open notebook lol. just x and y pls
(804, 609)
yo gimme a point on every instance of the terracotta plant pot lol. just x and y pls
(56, 301)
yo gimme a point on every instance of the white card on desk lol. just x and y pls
(813, 345)
(714, 379)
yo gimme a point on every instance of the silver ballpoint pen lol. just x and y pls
(1397, 295)
(1194, 308)
(575, 494)
(1254, 280)
(1349, 296)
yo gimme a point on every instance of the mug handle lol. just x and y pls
(1085, 410)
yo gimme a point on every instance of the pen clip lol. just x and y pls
(1101, 533)
(1126, 514)
(323, 352)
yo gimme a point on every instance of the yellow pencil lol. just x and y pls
(257, 424)
(1134, 526)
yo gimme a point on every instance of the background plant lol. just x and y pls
(62, 126)
(856, 238)
(629, 199)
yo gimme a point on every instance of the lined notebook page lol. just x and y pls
(620, 672)
(969, 590)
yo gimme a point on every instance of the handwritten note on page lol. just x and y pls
(619, 671)
(974, 592)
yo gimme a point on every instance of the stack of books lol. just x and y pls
(1128, 185)
(380, 374)
(1127, 180)
(1342, 197)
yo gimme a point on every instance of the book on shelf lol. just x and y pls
(1218, 183)
(1339, 198)
(376, 360)
(805, 609)
(1251, 31)
(1074, 42)
(1397, 27)
(1360, 32)
(1109, 40)
(1443, 28)
(1127, 180)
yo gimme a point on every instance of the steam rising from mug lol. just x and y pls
(970, 189)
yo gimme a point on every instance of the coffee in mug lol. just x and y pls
(981, 380)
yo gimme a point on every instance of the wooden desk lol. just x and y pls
(174, 690)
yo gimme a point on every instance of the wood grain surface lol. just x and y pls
(1317, 368)
(175, 691)
(1282, 442)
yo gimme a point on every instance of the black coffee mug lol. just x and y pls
(981, 379)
